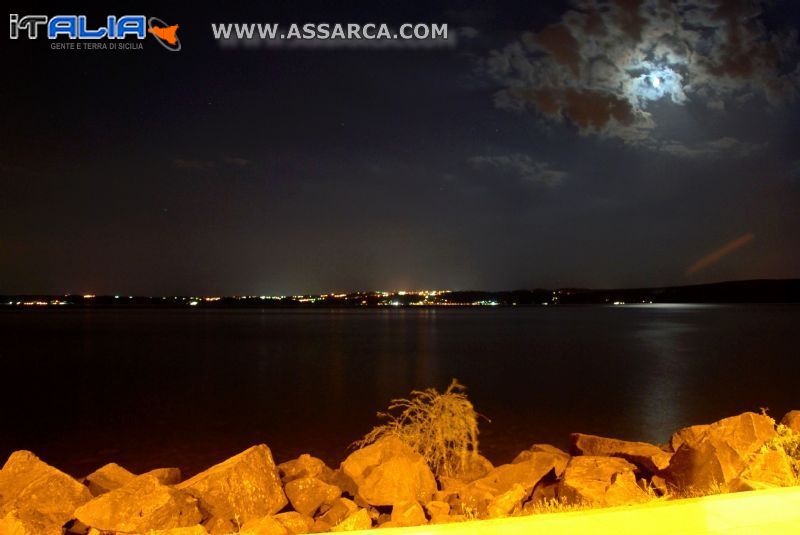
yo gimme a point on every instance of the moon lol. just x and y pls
(656, 81)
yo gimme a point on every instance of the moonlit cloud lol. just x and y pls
(717, 148)
(604, 64)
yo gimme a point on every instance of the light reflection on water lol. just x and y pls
(152, 387)
(665, 384)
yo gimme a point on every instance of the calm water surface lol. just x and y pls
(187, 388)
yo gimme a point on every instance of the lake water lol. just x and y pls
(188, 388)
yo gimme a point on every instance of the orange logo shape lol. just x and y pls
(168, 34)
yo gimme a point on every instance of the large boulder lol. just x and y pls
(562, 457)
(166, 476)
(649, 458)
(107, 478)
(308, 494)
(237, 490)
(304, 466)
(717, 454)
(792, 420)
(478, 495)
(689, 435)
(475, 467)
(142, 505)
(389, 472)
(508, 502)
(37, 493)
(770, 466)
(526, 473)
(600, 482)
(12, 524)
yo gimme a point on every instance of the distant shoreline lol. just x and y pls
(748, 291)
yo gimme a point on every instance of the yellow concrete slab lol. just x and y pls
(763, 512)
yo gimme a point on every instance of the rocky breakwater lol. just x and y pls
(389, 484)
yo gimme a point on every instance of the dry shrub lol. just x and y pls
(788, 442)
(442, 427)
(554, 505)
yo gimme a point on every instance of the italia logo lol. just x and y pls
(77, 27)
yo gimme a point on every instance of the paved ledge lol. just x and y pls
(763, 512)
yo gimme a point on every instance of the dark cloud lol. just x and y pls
(522, 167)
(604, 64)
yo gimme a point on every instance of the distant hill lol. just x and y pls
(750, 291)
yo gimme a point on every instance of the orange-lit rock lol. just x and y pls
(508, 502)
(307, 494)
(600, 482)
(476, 467)
(338, 511)
(12, 524)
(242, 488)
(408, 514)
(526, 473)
(166, 476)
(561, 456)
(792, 420)
(389, 472)
(719, 453)
(304, 466)
(340, 479)
(37, 493)
(646, 456)
(474, 498)
(689, 435)
(106, 478)
(772, 467)
(437, 509)
(267, 525)
(478, 495)
(142, 505)
(295, 522)
(358, 520)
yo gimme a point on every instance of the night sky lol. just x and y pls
(597, 144)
